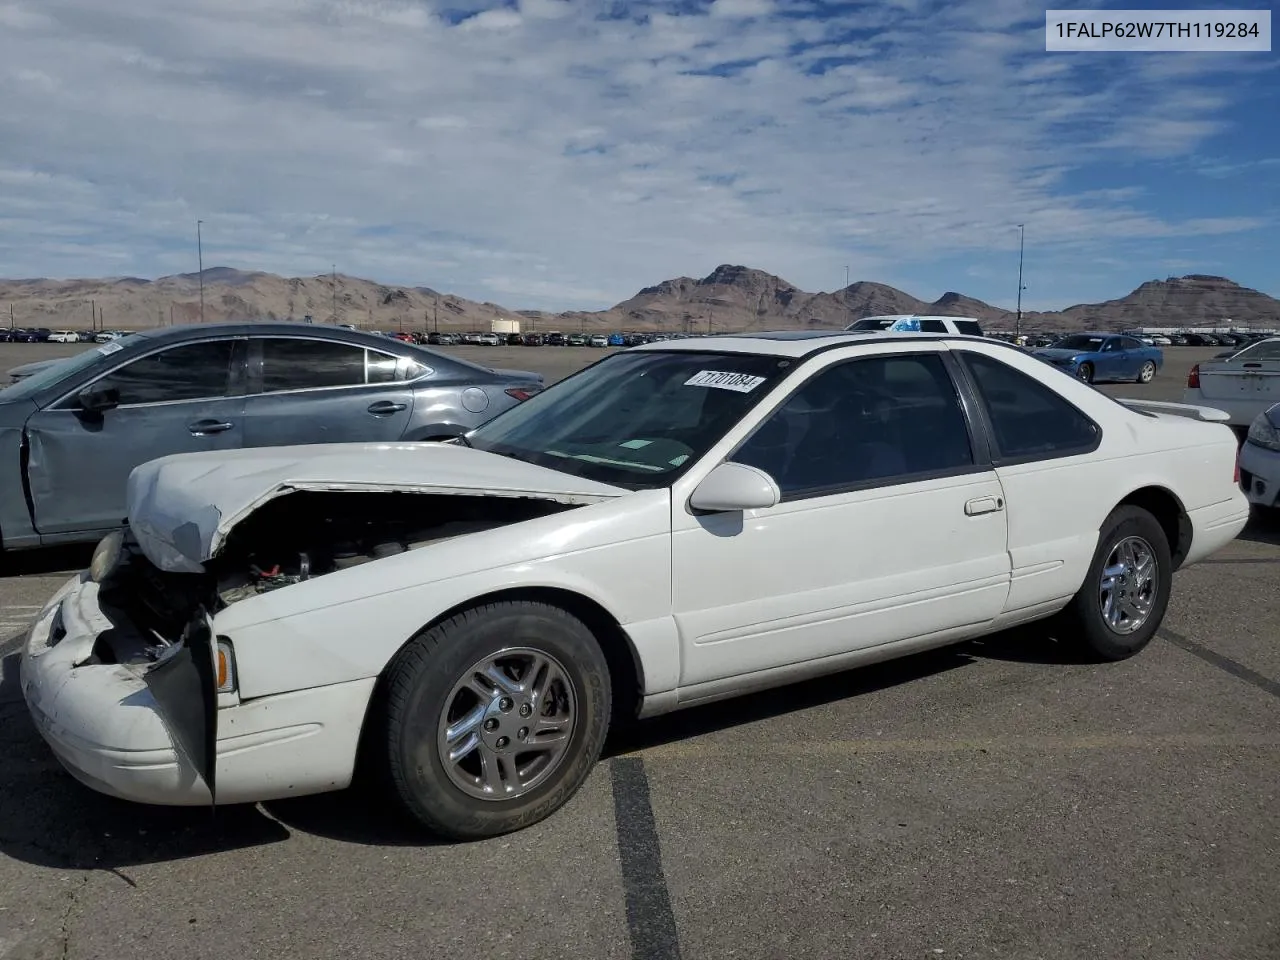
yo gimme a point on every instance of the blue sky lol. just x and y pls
(562, 154)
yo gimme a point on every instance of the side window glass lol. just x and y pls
(877, 420)
(933, 326)
(1029, 419)
(289, 364)
(382, 367)
(192, 371)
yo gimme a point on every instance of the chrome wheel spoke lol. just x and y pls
(1127, 585)
(499, 737)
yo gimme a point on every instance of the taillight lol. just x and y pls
(522, 393)
(1193, 378)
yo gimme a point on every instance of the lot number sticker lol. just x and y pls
(722, 380)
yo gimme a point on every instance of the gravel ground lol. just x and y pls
(995, 799)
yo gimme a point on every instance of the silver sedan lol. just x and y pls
(72, 430)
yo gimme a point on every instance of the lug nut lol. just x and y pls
(502, 742)
(523, 733)
(525, 710)
(491, 724)
(505, 704)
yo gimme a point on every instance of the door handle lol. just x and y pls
(202, 428)
(983, 505)
(384, 407)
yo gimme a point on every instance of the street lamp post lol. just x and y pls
(1017, 323)
(200, 265)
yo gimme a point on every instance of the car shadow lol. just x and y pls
(49, 819)
(46, 560)
(1263, 527)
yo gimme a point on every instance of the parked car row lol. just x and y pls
(45, 335)
(533, 338)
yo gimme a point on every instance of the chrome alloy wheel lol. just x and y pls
(507, 723)
(1127, 588)
(1147, 373)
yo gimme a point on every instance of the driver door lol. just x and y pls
(892, 526)
(183, 399)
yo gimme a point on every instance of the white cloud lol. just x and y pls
(547, 157)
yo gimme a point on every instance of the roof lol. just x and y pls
(799, 343)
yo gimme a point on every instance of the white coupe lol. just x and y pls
(674, 524)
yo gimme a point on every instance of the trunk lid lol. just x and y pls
(1240, 380)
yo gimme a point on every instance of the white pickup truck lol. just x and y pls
(1243, 384)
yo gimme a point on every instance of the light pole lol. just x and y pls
(333, 286)
(844, 295)
(1017, 322)
(200, 264)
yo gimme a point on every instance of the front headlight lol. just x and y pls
(1264, 433)
(106, 556)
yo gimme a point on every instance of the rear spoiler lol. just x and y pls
(1194, 411)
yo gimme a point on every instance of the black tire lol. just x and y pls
(1143, 376)
(419, 682)
(1082, 621)
(1085, 372)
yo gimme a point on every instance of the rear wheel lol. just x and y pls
(1085, 372)
(1126, 591)
(1147, 373)
(495, 717)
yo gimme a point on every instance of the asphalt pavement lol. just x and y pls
(996, 799)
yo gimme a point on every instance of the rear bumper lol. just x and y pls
(1216, 525)
(1260, 475)
(102, 722)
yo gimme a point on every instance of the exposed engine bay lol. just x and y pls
(292, 538)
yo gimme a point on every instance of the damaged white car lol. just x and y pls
(674, 524)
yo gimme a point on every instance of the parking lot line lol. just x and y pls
(1212, 657)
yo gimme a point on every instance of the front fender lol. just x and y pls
(348, 625)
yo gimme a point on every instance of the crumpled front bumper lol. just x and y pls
(105, 727)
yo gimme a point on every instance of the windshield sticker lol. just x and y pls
(722, 380)
(678, 461)
(635, 444)
(109, 348)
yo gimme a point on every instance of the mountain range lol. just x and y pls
(730, 298)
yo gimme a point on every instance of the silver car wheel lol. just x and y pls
(1148, 372)
(507, 723)
(1128, 586)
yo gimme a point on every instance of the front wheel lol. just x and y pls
(1147, 373)
(494, 718)
(1085, 372)
(1126, 591)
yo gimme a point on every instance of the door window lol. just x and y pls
(932, 326)
(866, 422)
(191, 371)
(296, 364)
(1029, 420)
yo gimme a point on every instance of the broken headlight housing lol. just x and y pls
(106, 556)
(224, 661)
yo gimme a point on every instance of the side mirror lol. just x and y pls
(94, 400)
(734, 487)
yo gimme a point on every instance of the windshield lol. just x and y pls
(871, 323)
(61, 369)
(1078, 342)
(636, 420)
